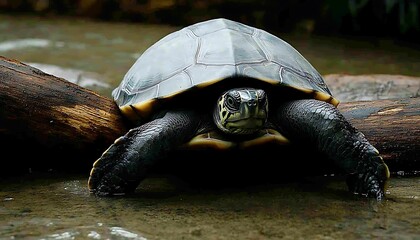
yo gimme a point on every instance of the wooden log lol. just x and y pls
(351, 88)
(48, 122)
(392, 126)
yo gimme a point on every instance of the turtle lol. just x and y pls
(224, 84)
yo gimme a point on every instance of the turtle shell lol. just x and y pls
(210, 52)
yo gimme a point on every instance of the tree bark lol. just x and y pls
(48, 122)
(392, 126)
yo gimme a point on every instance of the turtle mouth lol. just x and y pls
(246, 123)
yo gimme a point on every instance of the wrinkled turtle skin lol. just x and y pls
(223, 84)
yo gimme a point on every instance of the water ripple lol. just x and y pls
(24, 43)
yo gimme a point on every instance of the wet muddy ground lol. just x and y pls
(317, 208)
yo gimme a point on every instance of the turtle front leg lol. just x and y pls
(322, 125)
(125, 163)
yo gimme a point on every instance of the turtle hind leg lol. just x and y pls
(323, 126)
(126, 162)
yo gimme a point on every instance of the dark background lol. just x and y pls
(396, 19)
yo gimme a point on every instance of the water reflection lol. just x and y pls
(98, 232)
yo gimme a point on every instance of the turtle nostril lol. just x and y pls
(252, 103)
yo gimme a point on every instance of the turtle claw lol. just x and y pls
(370, 181)
(373, 190)
(111, 185)
(114, 173)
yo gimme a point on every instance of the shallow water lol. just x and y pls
(56, 206)
(319, 208)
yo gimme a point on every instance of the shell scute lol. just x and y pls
(209, 52)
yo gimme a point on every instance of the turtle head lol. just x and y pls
(241, 111)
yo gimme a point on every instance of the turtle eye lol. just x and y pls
(233, 101)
